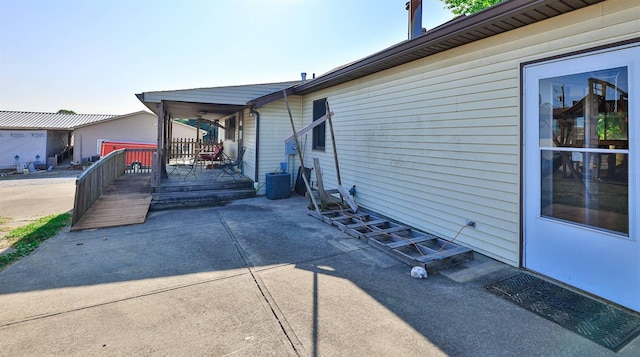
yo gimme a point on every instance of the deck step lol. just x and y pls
(205, 186)
(171, 200)
(402, 242)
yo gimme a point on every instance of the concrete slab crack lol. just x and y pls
(293, 339)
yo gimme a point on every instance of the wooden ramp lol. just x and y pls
(125, 202)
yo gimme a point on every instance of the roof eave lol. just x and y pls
(435, 41)
(34, 128)
(115, 117)
(152, 106)
(272, 97)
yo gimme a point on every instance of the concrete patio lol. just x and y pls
(258, 277)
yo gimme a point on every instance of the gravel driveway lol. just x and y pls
(25, 198)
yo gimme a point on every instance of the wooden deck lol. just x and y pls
(204, 187)
(125, 202)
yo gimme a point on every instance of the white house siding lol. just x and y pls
(141, 127)
(138, 127)
(180, 130)
(249, 142)
(25, 144)
(436, 142)
(275, 127)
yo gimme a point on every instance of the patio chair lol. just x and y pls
(230, 167)
(212, 156)
(191, 164)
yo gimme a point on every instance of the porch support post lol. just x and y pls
(198, 144)
(159, 163)
(170, 141)
(165, 154)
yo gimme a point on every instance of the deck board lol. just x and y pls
(125, 202)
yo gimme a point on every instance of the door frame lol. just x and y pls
(634, 195)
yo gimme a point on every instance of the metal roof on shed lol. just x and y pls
(49, 121)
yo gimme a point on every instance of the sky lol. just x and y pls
(93, 56)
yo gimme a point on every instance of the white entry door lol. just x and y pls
(581, 185)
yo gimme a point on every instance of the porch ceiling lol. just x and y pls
(189, 110)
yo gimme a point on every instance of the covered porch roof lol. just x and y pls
(208, 103)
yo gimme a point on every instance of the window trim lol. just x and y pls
(230, 129)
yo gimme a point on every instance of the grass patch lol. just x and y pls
(3, 228)
(27, 238)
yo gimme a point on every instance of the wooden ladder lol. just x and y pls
(402, 242)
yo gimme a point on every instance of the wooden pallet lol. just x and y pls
(404, 243)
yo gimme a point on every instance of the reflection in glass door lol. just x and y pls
(580, 155)
(584, 121)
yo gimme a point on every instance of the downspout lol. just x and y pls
(253, 111)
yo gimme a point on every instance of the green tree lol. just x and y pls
(467, 7)
(66, 111)
(212, 130)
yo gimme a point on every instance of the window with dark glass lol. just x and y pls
(230, 126)
(319, 132)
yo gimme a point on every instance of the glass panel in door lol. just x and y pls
(584, 149)
(581, 176)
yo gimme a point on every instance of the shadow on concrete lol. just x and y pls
(267, 238)
(176, 242)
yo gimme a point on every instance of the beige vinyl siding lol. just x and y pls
(249, 142)
(436, 142)
(275, 127)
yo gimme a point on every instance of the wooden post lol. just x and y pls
(321, 193)
(157, 171)
(165, 153)
(333, 140)
(170, 141)
(335, 151)
(304, 176)
(198, 121)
